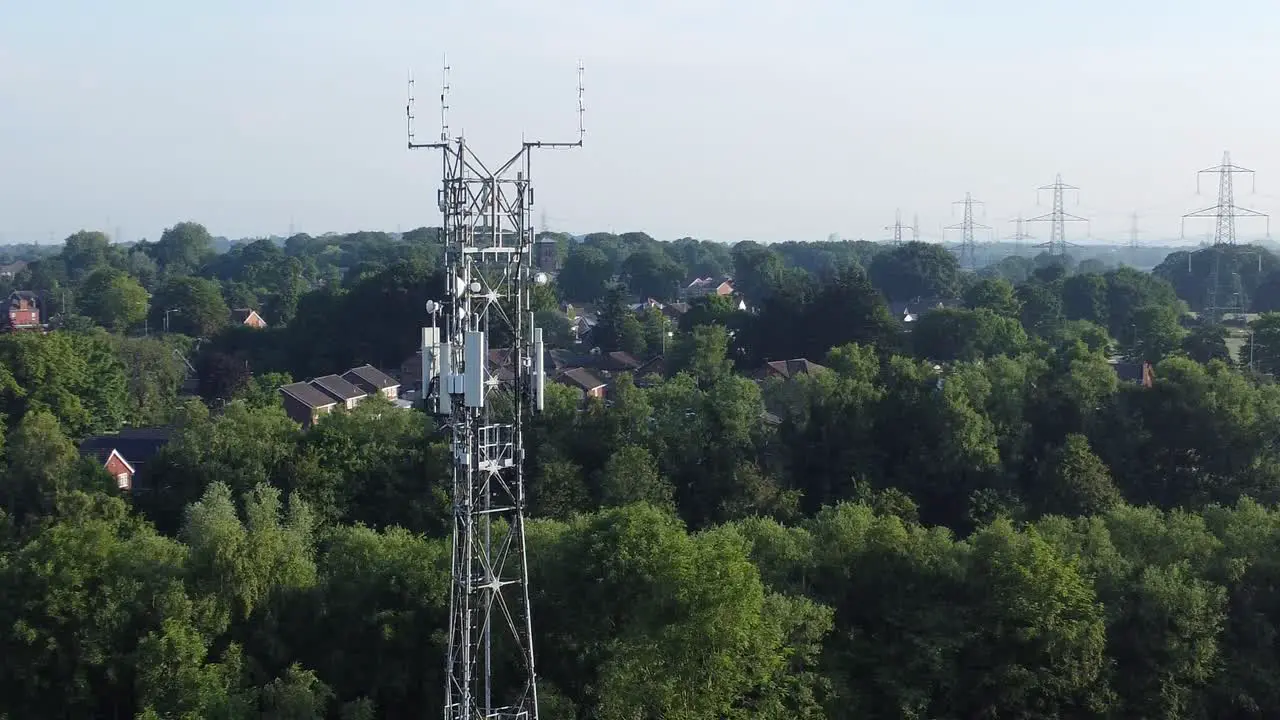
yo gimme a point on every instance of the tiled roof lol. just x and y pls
(136, 445)
(338, 388)
(581, 378)
(369, 376)
(308, 395)
(792, 368)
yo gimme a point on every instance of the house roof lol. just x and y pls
(792, 368)
(14, 267)
(1134, 372)
(136, 446)
(581, 378)
(308, 395)
(337, 388)
(370, 376)
(241, 315)
(24, 295)
(619, 360)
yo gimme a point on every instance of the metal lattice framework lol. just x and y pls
(1058, 217)
(1224, 294)
(968, 246)
(488, 236)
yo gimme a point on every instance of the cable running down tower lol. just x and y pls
(489, 241)
(1058, 217)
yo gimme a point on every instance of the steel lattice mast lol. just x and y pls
(489, 240)
(1224, 236)
(968, 247)
(1058, 218)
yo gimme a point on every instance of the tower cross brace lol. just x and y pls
(897, 227)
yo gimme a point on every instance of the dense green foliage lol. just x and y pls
(969, 515)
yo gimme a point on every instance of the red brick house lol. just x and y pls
(124, 454)
(305, 403)
(1133, 372)
(248, 318)
(23, 311)
(788, 369)
(584, 381)
(373, 381)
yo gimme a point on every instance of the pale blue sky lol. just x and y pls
(721, 120)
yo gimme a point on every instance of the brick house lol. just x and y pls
(248, 318)
(23, 311)
(124, 454)
(1133, 372)
(788, 369)
(340, 390)
(305, 403)
(582, 380)
(373, 381)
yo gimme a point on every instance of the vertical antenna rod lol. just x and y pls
(1058, 217)
(489, 268)
(968, 248)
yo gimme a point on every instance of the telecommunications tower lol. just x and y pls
(1057, 243)
(1225, 294)
(968, 248)
(489, 241)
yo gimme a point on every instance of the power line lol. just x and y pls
(489, 275)
(1058, 217)
(1228, 296)
(968, 248)
(1019, 235)
(897, 227)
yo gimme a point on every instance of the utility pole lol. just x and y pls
(897, 227)
(489, 274)
(1058, 217)
(1224, 294)
(1019, 235)
(968, 248)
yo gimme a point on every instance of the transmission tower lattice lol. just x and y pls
(1223, 296)
(968, 248)
(1019, 235)
(1057, 244)
(897, 227)
(489, 240)
(1133, 232)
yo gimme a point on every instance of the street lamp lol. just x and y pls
(166, 317)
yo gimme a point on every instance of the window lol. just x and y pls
(122, 480)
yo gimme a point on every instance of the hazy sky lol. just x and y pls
(720, 120)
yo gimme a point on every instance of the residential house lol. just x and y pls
(582, 380)
(619, 361)
(910, 310)
(340, 390)
(24, 311)
(127, 452)
(1138, 373)
(707, 286)
(653, 368)
(248, 318)
(788, 369)
(373, 381)
(305, 403)
(9, 270)
(676, 310)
